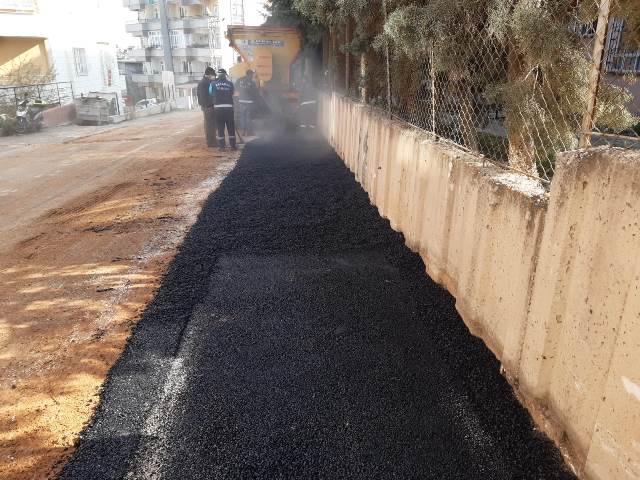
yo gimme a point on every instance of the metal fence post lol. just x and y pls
(364, 94)
(595, 72)
(433, 91)
(386, 54)
(347, 59)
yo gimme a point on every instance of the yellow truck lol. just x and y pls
(273, 53)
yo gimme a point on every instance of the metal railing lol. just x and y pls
(57, 93)
(623, 63)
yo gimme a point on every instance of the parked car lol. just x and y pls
(146, 103)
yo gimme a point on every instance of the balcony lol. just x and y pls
(146, 54)
(136, 5)
(147, 78)
(137, 28)
(624, 63)
(182, 78)
(199, 53)
(190, 23)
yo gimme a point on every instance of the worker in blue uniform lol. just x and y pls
(206, 104)
(221, 89)
(248, 94)
(308, 109)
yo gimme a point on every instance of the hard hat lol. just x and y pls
(222, 71)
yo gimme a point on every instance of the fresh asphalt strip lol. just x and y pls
(295, 336)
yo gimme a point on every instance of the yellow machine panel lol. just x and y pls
(269, 51)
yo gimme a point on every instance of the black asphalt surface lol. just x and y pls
(295, 336)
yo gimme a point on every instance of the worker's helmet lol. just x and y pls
(222, 71)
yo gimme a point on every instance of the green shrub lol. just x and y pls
(7, 126)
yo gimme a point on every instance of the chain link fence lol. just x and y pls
(497, 86)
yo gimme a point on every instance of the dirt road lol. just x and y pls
(91, 218)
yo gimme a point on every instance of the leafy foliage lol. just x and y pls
(521, 54)
(23, 71)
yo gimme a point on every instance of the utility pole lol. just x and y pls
(166, 41)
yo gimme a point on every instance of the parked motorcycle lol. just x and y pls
(29, 116)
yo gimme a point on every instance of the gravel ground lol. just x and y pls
(295, 336)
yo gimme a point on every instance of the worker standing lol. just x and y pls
(206, 105)
(222, 90)
(248, 95)
(308, 104)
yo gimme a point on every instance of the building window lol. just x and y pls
(80, 60)
(214, 35)
(187, 67)
(177, 39)
(154, 39)
(237, 12)
(183, 12)
(107, 61)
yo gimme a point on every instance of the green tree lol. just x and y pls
(521, 54)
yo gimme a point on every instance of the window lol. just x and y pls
(183, 12)
(237, 12)
(187, 67)
(176, 38)
(80, 60)
(154, 39)
(214, 35)
(107, 62)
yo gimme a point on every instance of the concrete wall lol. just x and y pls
(18, 51)
(549, 281)
(59, 115)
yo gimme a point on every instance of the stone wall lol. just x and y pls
(548, 280)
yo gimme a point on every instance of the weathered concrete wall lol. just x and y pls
(59, 115)
(550, 282)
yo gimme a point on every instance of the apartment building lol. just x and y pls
(73, 39)
(184, 36)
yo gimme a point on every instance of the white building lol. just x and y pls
(75, 37)
(196, 35)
